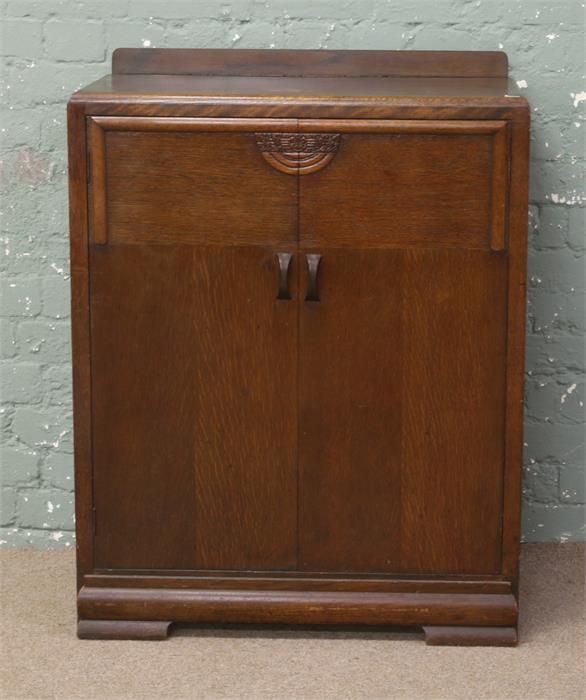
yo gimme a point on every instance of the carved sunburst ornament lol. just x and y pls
(298, 153)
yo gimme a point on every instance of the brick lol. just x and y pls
(577, 226)
(20, 382)
(29, 8)
(553, 401)
(20, 127)
(17, 538)
(7, 505)
(19, 466)
(49, 82)
(171, 9)
(71, 40)
(20, 296)
(8, 346)
(376, 35)
(129, 34)
(44, 341)
(57, 385)
(56, 299)
(560, 443)
(54, 128)
(254, 34)
(21, 38)
(47, 428)
(561, 355)
(541, 482)
(45, 509)
(551, 312)
(201, 33)
(573, 400)
(553, 227)
(58, 471)
(527, 12)
(557, 183)
(553, 523)
(98, 9)
(572, 485)
(561, 269)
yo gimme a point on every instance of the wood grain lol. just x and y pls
(177, 185)
(453, 399)
(299, 607)
(393, 185)
(382, 355)
(194, 443)
(286, 62)
(296, 580)
(80, 337)
(349, 367)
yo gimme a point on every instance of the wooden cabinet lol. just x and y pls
(298, 319)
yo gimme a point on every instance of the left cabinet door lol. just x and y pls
(193, 356)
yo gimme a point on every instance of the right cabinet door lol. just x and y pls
(403, 349)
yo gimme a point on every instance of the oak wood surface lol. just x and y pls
(80, 337)
(177, 186)
(300, 607)
(194, 440)
(297, 580)
(287, 62)
(393, 185)
(382, 355)
(497, 91)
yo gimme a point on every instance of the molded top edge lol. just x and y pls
(311, 63)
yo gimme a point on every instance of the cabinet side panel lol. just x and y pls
(80, 334)
(516, 345)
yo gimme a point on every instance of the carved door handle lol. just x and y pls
(313, 260)
(284, 260)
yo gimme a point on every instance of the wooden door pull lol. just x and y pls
(284, 262)
(313, 260)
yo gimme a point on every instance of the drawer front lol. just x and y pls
(408, 183)
(197, 181)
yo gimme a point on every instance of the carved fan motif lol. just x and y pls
(298, 153)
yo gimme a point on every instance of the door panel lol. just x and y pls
(194, 359)
(402, 412)
(350, 414)
(194, 441)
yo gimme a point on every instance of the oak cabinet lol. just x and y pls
(298, 296)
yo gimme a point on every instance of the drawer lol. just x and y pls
(196, 181)
(408, 183)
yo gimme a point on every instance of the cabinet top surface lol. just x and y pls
(422, 77)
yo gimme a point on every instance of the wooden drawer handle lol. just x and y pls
(284, 260)
(313, 260)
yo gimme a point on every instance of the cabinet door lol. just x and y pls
(402, 359)
(193, 356)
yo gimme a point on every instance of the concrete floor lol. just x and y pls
(41, 657)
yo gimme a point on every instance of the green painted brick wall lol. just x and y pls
(52, 47)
